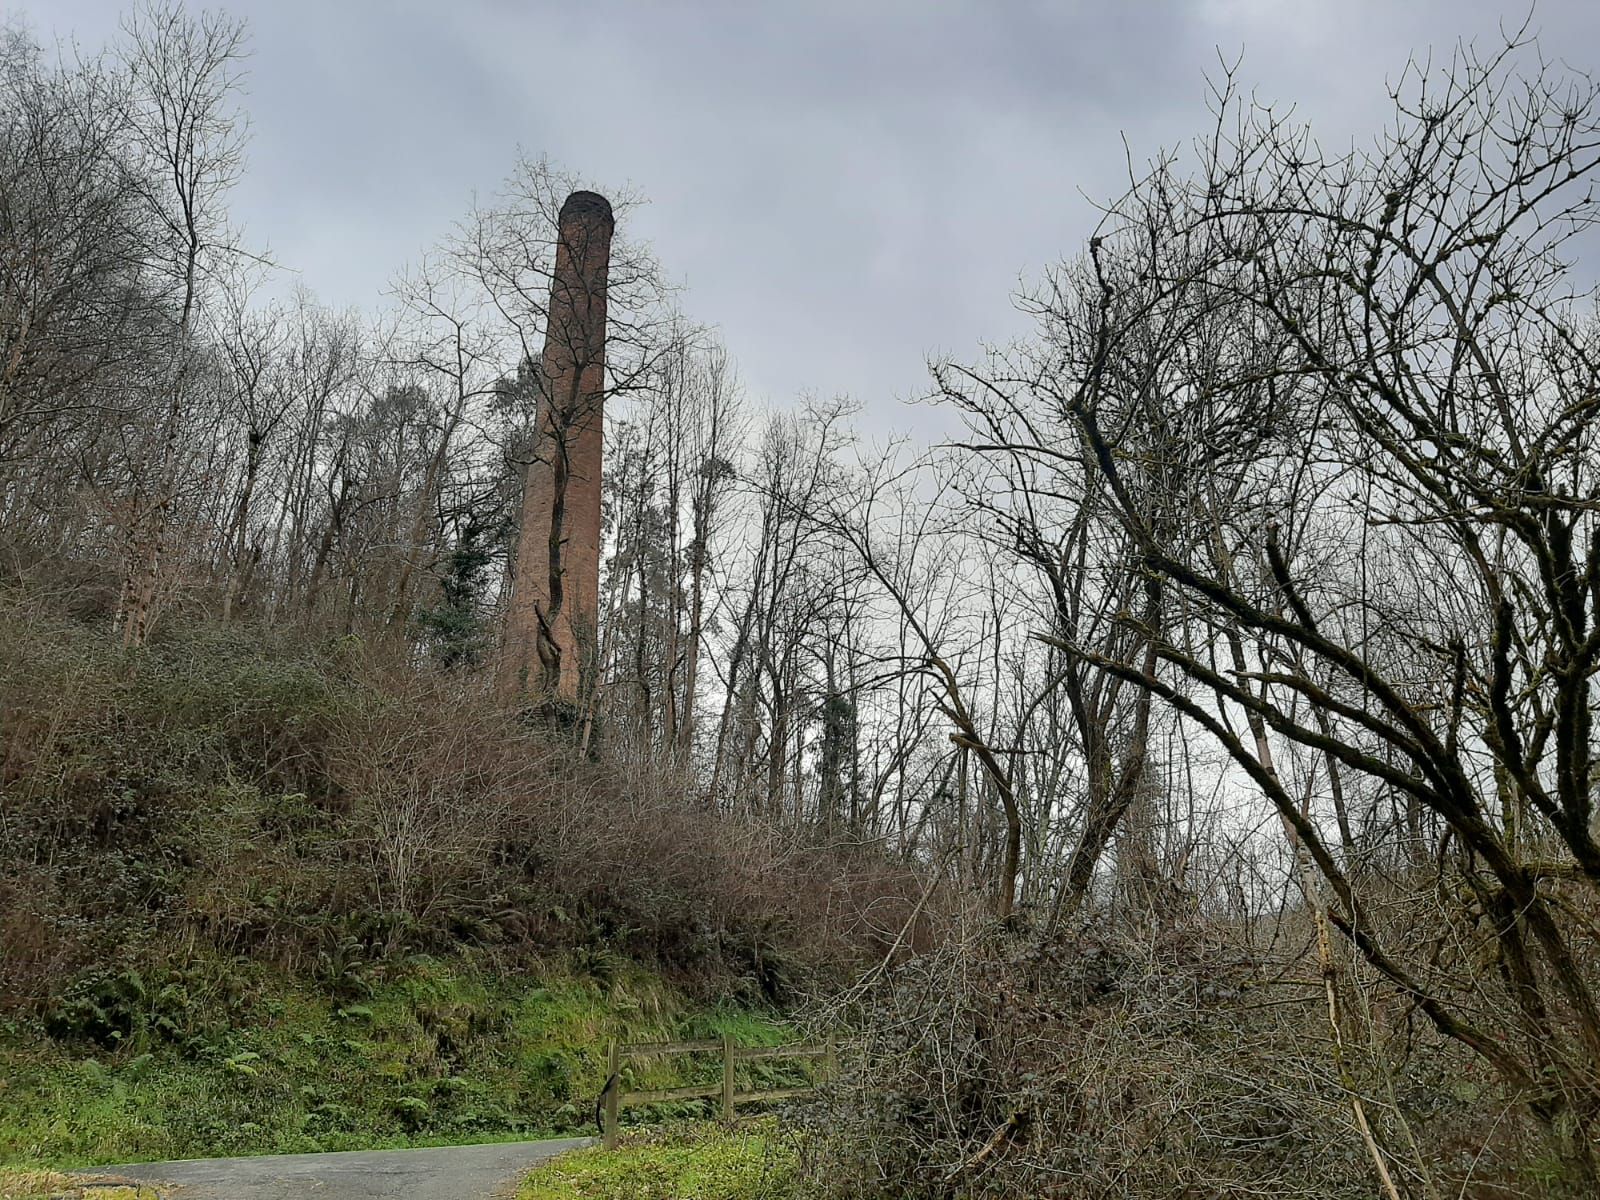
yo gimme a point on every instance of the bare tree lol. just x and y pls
(252, 343)
(78, 309)
(183, 72)
(447, 345)
(1364, 473)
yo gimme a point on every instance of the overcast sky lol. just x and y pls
(843, 188)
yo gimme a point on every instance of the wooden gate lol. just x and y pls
(614, 1097)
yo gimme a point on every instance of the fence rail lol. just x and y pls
(615, 1098)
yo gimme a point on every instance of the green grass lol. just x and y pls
(440, 1053)
(49, 1185)
(690, 1162)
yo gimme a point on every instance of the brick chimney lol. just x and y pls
(554, 610)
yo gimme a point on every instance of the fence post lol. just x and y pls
(727, 1077)
(613, 1094)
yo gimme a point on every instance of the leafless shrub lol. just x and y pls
(1141, 1061)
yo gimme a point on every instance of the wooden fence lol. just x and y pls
(614, 1097)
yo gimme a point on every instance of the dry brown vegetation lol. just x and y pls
(251, 793)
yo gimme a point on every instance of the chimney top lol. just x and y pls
(588, 206)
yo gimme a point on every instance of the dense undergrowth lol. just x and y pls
(1180, 1058)
(261, 890)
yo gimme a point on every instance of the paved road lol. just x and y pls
(487, 1172)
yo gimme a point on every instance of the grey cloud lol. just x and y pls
(844, 187)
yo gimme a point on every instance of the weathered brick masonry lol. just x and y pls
(554, 609)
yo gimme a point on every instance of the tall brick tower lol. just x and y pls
(555, 588)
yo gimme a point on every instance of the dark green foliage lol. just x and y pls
(344, 969)
(438, 1052)
(192, 1008)
(456, 628)
(837, 766)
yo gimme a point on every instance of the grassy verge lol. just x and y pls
(52, 1185)
(692, 1162)
(438, 1053)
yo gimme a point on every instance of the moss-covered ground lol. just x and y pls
(701, 1161)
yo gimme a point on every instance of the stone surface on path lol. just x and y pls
(484, 1172)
